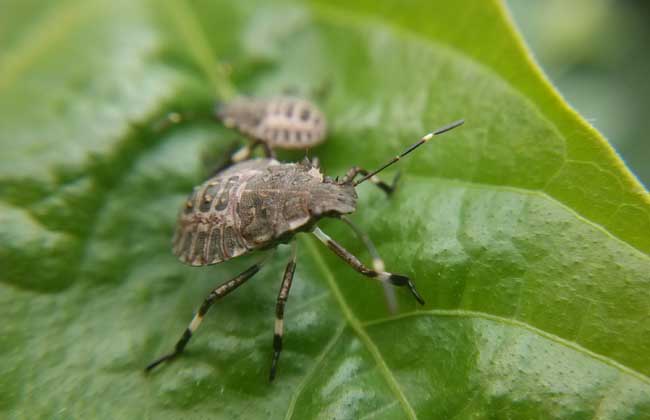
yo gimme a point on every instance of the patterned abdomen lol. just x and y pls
(207, 228)
(252, 205)
(283, 122)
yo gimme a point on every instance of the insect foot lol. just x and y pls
(400, 280)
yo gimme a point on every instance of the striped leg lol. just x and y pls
(241, 154)
(377, 263)
(246, 151)
(216, 294)
(279, 310)
(352, 261)
(387, 188)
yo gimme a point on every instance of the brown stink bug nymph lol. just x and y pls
(261, 203)
(283, 122)
(279, 122)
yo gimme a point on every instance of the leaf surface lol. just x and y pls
(525, 234)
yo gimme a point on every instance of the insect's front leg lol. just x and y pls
(216, 294)
(245, 152)
(352, 261)
(236, 155)
(283, 295)
(242, 154)
(385, 187)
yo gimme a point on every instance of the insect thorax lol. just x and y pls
(255, 205)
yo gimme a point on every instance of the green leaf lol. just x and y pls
(522, 229)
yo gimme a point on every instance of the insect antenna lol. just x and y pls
(410, 149)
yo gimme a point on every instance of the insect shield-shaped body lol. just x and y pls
(279, 122)
(260, 203)
(255, 205)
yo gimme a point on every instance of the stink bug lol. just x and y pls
(261, 203)
(282, 122)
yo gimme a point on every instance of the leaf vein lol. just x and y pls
(319, 360)
(358, 328)
(462, 313)
(538, 194)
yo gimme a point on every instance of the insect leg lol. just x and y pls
(216, 294)
(377, 262)
(352, 261)
(279, 310)
(385, 187)
(246, 151)
(235, 155)
(268, 151)
(242, 154)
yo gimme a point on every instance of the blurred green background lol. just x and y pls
(597, 53)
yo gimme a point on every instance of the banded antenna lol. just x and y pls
(410, 149)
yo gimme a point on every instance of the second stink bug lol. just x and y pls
(278, 122)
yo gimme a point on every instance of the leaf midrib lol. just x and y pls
(357, 327)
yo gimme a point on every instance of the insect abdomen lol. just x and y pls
(252, 205)
(283, 122)
(292, 123)
(207, 229)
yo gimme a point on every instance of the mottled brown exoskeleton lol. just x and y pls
(261, 203)
(281, 122)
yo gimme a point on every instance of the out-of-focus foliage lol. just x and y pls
(596, 52)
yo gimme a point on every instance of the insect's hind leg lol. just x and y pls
(268, 150)
(352, 261)
(216, 294)
(283, 295)
(384, 186)
(242, 154)
(377, 262)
